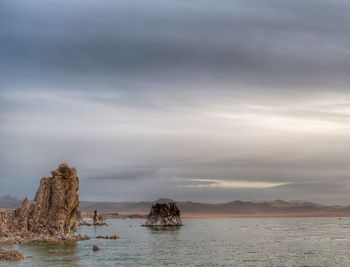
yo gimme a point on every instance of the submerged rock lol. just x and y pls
(164, 215)
(99, 220)
(10, 255)
(84, 223)
(112, 237)
(95, 248)
(52, 215)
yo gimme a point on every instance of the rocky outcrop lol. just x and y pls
(52, 215)
(99, 220)
(10, 255)
(56, 203)
(164, 215)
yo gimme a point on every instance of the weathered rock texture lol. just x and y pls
(99, 220)
(5, 225)
(56, 203)
(164, 215)
(53, 215)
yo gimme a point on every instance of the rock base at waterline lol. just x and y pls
(10, 255)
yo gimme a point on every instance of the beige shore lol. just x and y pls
(265, 215)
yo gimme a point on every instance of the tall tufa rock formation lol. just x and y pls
(164, 215)
(54, 212)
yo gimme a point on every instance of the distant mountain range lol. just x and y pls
(235, 207)
(9, 202)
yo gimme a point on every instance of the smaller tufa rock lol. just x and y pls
(21, 216)
(10, 255)
(164, 215)
(95, 248)
(99, 220)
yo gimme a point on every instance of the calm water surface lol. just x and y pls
(204, 242)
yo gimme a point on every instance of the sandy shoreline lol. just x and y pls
(263, 215)
(227, 215)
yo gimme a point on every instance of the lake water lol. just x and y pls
(204, 242)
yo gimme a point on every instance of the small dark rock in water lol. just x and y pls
(112, 237)
(85, 223)
(10, 255)
(164, 215)
(99, 220)
(95, 248)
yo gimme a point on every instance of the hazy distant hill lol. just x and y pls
(9, 202)
(234, 207)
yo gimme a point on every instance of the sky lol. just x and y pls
(200, 100)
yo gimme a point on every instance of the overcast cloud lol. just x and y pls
(192, 100)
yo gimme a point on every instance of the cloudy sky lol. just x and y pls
(202, 100)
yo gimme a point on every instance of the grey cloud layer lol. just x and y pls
(254, 42)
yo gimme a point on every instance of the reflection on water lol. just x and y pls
(203, 242)
(162, 229)
(62, 253)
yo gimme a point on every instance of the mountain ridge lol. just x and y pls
(277, 206)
